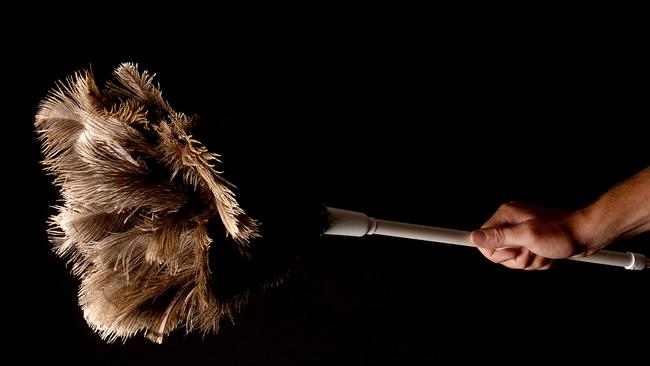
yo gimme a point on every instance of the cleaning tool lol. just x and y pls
(152, 228)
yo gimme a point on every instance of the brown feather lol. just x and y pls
(138, 194)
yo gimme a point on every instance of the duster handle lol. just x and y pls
(352, 223)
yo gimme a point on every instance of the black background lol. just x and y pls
(422, 123)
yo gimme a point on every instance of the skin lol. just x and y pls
(522, 236)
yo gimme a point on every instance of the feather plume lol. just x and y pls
(138, 195)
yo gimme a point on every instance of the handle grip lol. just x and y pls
(351, 223)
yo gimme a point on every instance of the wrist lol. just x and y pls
(589, 229)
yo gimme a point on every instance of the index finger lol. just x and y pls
(507, 214)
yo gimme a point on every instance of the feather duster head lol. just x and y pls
(138, 195)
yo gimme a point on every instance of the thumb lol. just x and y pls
(498, 237)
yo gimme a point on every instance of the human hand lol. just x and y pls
(522, 236)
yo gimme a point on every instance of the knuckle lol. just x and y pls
(493, 259)
(512, 205)
(545, 266)
(487, 253)
(506, 207)
(512, 264)
(509, 208)
(499, 235)
(496, 235)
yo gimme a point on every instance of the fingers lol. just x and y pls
(528, 261)
(520, 258)
(499, 256)
(537, 263)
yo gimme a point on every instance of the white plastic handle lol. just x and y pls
(352, 223)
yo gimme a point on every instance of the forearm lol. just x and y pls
(622, 212)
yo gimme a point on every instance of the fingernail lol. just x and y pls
(478, 237)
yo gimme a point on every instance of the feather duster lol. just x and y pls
(138, 196)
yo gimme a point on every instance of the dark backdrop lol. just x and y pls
(415, 125)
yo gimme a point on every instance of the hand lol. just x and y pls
(528, 237)
(521, 236)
